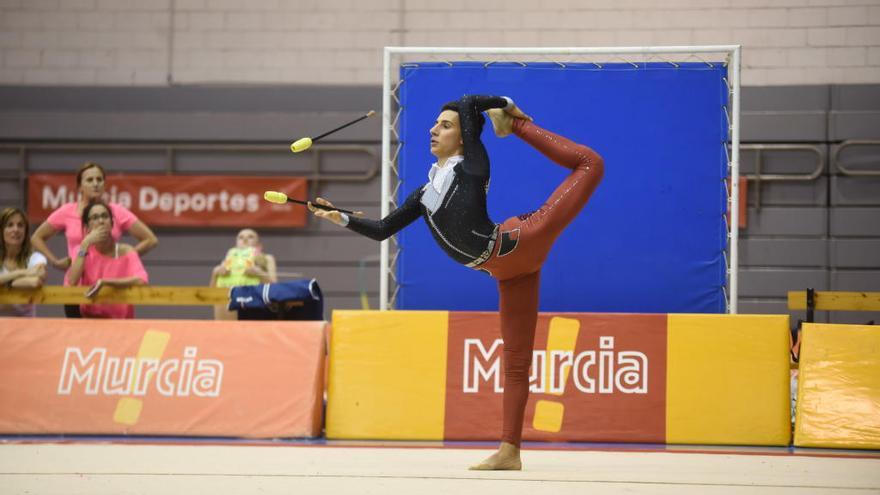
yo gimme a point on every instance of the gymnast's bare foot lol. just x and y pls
(501, 121)
(505, 459)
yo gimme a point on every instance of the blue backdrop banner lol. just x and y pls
(651, 239)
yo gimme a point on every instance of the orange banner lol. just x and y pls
(181, 200)
(594, 377)
(161, 377)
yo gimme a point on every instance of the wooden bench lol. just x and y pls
(147, 295)
(812, 300)
(151, 295)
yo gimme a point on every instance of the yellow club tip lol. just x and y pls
(301, 144)
(275, 197)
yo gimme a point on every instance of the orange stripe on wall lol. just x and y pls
(249, 379)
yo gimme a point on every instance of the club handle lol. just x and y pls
(343, 126)
(281, 198)
(328, 208)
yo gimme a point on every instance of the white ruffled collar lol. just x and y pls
(438, 174)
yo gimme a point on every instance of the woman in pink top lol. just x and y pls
(100, 261)
(67, 219)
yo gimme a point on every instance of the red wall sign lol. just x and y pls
(608, 385)
(182, 200)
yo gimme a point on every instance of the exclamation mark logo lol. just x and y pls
(128, 409)
(561, 337)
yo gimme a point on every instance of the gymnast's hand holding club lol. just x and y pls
(325, 209)
(320, 204)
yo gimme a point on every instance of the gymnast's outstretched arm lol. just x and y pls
(378, 230)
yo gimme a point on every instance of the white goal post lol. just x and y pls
(394, 56)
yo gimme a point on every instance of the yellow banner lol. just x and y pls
(387, 377)
(728, 380)
(418, 375)
(839, 387)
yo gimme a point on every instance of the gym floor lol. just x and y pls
(99, 465)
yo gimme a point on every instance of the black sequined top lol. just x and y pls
(457, 215)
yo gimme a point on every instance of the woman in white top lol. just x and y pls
(21, 268)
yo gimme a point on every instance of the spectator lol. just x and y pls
(245, 264)
(100, 262)
(21, 266)
(68, 219)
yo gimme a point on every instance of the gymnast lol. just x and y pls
(453, 204)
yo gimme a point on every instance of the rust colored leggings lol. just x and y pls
(523, 244)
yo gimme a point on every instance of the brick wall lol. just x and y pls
(153, 42)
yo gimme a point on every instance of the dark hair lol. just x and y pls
(88, 209)
(454, 106)
(85, 166)
(24, 255)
